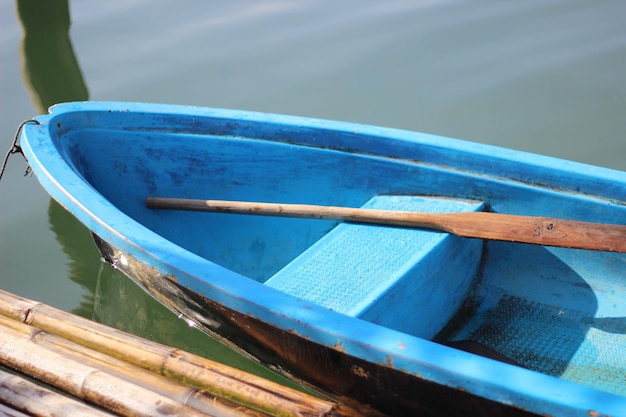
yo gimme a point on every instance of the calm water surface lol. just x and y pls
(542, 76)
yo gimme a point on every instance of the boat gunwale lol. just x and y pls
(475, 153)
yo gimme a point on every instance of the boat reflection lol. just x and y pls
(52, 75)
(50, 69)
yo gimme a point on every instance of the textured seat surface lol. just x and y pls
(387, 274)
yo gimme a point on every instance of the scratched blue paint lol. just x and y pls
(560, 313)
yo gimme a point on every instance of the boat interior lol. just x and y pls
(557, 311)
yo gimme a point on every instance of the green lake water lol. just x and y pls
(543, 76)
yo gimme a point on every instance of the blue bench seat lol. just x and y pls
(372, 272)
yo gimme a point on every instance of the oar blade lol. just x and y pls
(543, 231)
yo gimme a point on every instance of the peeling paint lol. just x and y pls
(339, 347)
(358, 371)
(390, 361)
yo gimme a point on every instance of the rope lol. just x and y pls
(16, 148)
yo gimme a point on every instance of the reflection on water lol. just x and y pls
(49, 66)
(52, 75)
(78, 245)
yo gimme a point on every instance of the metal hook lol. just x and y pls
(16, 148)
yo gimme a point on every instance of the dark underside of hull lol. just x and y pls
(357, 383)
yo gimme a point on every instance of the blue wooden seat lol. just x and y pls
(376, 272)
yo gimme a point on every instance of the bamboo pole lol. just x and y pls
(25, 396)
(43, 343)
(8, 411)
(220, 380)
(81, 380)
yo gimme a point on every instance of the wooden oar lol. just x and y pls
(484, 225)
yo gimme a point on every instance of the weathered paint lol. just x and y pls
(100, 160)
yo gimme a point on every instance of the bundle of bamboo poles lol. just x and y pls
(126, 375)
(20, 393)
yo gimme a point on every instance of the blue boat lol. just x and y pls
(390, 320)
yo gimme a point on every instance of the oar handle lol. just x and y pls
(348, 214)
(484, 225)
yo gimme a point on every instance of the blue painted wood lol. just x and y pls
(559, 313)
